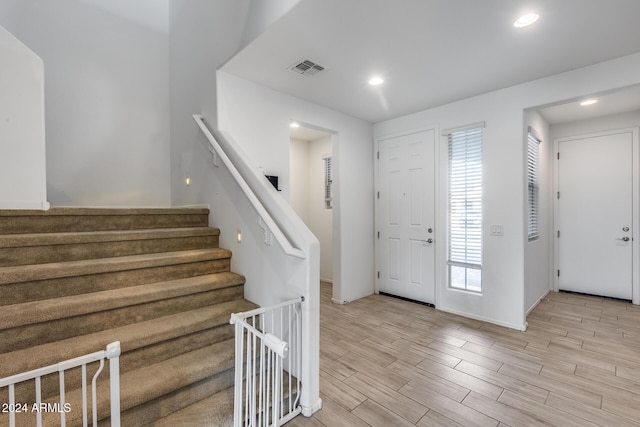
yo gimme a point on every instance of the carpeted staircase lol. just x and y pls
(73, 280)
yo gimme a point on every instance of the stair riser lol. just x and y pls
(16, 293)
(129, 361)
(137, 415)
(76, 252)
(165, 405)
(44, 223)
(55, 330)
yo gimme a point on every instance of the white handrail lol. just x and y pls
(288, 248)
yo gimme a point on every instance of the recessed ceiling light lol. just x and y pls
(526, 20)
(294, 124)
(588, 102)
(375, 81)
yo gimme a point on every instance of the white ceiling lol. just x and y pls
(620, 101)
(307, 134)
(431, 52)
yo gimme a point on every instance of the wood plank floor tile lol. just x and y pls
(387, 397)
(388, 362)
(462, 379)
(388, 377)
(425, 382)
(346, 396)
(551, 384)
(428, 353)
(463, 354)
(378, 416)
(585, 412)
(519, 359)
(546, 413)
(501, 412)
(504, 381)
(436, 419)
(334, 414)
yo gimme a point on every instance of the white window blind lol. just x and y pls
(465, 209)
(533, 226)
(328, 183)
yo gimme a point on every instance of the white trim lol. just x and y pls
(449, 131)
(264, 215)
(26, 206)
(522, 327)
(308, 411)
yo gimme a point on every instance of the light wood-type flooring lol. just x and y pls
(386, 362)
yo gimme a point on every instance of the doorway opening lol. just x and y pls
(571, 131)
(311, 166)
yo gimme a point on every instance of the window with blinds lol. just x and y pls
(328, 184)
(533, 190)
(465, 209)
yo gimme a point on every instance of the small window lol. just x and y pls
(464, 256)
(533, 186)
(328, 183)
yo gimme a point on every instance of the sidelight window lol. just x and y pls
(464, 258)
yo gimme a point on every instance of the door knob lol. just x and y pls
(431, 240)
(624, 239)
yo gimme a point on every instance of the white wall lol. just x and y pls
(262, 14)
(321, 219)
(503, 297)
(258, 120)
(600, 124)
(106, 97)
(300, 175)
(204, 35)
(538, 260)
(307, 195)
(23, 181)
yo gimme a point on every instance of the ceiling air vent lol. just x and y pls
(307, 68)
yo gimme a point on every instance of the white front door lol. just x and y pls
(595, 214)
(405, 252)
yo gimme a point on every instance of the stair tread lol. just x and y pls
(17, 274)
(56, 308)
(79, 237)
(153, 381)
(144, 384)
(131, 337)
(60, 211)
(216, 410)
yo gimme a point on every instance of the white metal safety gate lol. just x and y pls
(112, 352)
(268, 365)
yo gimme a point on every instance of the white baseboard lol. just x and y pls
(24, 205)
(308, 411)
(522, 327)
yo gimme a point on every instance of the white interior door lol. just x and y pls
(595, 214)
(406, 255)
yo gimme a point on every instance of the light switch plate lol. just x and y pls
(496, 230)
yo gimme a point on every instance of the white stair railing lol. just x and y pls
(112, 352)
(268, 361)
(295, 254)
